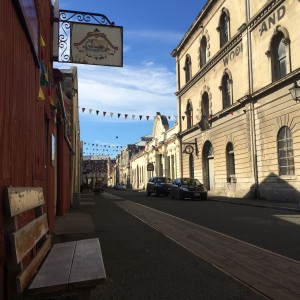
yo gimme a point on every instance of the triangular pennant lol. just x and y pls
(133, 116)
(147, 117)
(126, 115)
(119, 116)
(104, 113)
(51, 101)
(140, 116)
(97, 112)
(111, 114)
(183, 117)
(42, 42)
(83, 109)
(169, 117)
(90, 110)
(41, 95)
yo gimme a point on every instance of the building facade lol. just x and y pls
(160, 156)
(238, 123)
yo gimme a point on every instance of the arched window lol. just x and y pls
(187, 68)
(226, 91)
(191, 165)
(203, 49)
(224, 28)
(285, 152)
(189, 115)
(279, 56)
(230, 162)
(205, 111)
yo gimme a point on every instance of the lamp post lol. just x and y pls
(295, 91)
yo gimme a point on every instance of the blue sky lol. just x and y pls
(146, 83)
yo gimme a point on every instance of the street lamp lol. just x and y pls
(295, 91)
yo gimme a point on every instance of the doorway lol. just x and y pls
(208, 166)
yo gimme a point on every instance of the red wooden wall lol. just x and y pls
(26, 123)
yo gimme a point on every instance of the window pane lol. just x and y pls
(283, 171)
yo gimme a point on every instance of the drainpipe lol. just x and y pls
(252, 114)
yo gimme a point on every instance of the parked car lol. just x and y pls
(120, 186)
(188, 188)
(159, 185)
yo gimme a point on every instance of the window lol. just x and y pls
(203, 55)
(189, 115)
(191, 165)
(285, 152)
(224, 28)
(230, 162)
(226, 91)
(187, 68)
(205, 112)
(279, 61)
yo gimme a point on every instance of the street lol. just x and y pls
(195, 226)
(273, 230)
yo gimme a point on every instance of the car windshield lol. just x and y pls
(190, 181)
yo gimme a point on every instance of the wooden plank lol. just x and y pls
(25, 238)
(23, 199)
(55, 271)
(26, 275)
(88, 267)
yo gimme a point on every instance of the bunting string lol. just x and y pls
(123, 115)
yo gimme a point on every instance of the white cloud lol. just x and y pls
(139, 90)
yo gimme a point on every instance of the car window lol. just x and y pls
(191, 181)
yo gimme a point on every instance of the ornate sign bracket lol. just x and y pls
(189, 149)
(63, 21)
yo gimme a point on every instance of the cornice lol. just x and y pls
(269, 8)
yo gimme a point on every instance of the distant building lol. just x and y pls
(95, 170)
(160, 157)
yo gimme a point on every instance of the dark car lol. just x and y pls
(188, 188)
(159, 185)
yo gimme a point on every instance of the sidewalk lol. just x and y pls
(286, 206)
(140, 262)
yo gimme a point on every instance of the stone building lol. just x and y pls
(238, 123)
(160, 156)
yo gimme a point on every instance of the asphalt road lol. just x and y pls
(273, 230)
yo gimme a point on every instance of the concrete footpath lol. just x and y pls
(140, 262)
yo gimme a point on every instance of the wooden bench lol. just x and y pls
(36, 266)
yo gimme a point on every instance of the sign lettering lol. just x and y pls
(272, 20)
(233, 54)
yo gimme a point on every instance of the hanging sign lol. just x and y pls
(150, 167)
(96, 44)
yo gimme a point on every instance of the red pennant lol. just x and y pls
(83, 109)
(104, 113)
(147, 117)
(169, 117)
(126, 115)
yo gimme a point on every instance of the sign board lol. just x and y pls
(96, 44)
(150, 167)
